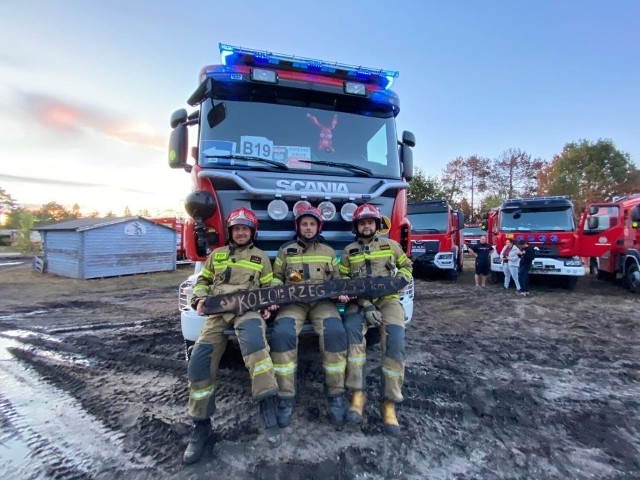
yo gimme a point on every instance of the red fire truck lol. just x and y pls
(178, 225)
(544, 222)
(436, 237)
(471, 235)
(277, 129)
(610, 237)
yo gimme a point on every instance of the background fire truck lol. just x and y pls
(544, 222)
(471, 234)
(178, 225)
(436, 239)
(276, 129)
(610, 237)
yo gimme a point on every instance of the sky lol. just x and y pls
(87, 88)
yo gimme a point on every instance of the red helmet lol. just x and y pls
(366, 211)
(305, 209)
(243, 216)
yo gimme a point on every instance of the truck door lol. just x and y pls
(600, 228)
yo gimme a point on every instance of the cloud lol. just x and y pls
(64, 183)
(64, 117)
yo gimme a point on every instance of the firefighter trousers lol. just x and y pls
(327, 323)
(392, 340)
(207, 352)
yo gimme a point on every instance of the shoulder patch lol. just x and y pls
(256, 259)
(220, 256)
(354, 251)
(385, 247)
(292, 251)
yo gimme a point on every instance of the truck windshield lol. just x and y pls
(237, 134)
(537, 220)
(473, 232)
(430, 222)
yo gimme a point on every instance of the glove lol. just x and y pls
(373, 316)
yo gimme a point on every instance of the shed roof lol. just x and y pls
(82, 224)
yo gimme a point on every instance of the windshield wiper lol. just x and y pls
(430, 230)
(346, 166)
(278, 165)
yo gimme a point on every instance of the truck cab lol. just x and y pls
(471, 235)
(544, 222)
(273, 130)
(610, 237)
(436, 237)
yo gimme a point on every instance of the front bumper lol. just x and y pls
(568, 267)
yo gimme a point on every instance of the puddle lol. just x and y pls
(45, 433)
(8, 264)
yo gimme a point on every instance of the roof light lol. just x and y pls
(245, 56)
(355, 88)
(266, 76)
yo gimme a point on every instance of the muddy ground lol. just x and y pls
(497, 387)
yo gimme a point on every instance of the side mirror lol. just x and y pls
(460, 220)
(178, 117)
(592, 223)
(178, 145)
(593, 210)
(406, 156)
(408, 139)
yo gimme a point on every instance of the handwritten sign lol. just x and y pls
(254, 300)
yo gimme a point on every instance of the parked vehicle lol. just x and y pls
(178, 225)
(277, 129)
(610, 237)
(544, 222)
(471, 235)
(436, 243)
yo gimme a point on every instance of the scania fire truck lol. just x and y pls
(277, 129)
(436, 241)
(610, 237)
(544, 222)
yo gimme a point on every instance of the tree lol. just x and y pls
(476, 182)
(422, 187)
(454, 177)
(127, 212)
(51, 212)
(590, 172)
(75, 212)
(515, 174)
(145, 213)
(24, 243)
(110, 214)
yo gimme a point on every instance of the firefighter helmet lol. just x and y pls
(366, 211)
(305, 209)
(243, 216)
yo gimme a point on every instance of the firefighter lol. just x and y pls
(371, 255)
(307, 259)
(239, 265)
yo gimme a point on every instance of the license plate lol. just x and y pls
(418, 250)
(543, 272)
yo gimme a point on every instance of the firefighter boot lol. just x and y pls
(268, 412)
(389, 419)
(200, 433)
(337, 409)
(355, 414)
(284, 411)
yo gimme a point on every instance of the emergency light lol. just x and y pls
(231, 55)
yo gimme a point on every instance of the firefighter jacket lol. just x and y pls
(299, 261)
(231, 268)
(375, 257)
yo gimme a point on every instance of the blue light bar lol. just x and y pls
(245, 56)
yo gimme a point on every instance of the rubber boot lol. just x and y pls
(200, 433)
(389, 419)
(337, 409)
(355, 414)
(268, 412)
(284, 411)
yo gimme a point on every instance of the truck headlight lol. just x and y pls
(328, 210)
(346, 212)
(277, 209)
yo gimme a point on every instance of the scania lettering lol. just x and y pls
(610, 237)
(544, 222)
(312, 186)
(276, 129)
